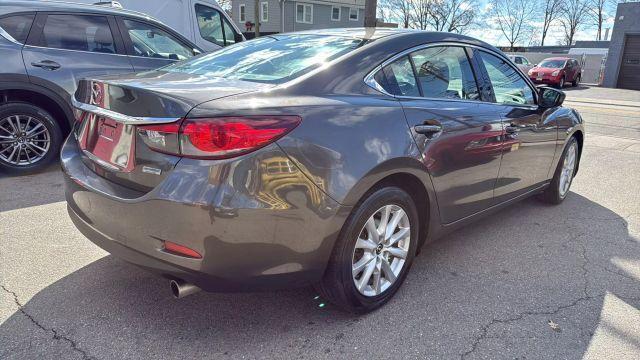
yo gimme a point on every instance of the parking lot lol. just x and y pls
(533, 282)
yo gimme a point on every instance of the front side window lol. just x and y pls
(210, 24)
(353, 14)
(17, 26)
(230, 34)
(78, 32)
(264, 11)
(243, 13)
(518, 60)
(400, 78)
(444, 72)
(304, 13)
(150, 41)
(274, 60)
(335, 13)
(508, 85)
(525, 61)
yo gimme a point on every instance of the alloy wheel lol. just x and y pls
(568, 168)
(24, 140)
(381, 250)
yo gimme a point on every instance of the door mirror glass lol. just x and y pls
(550, 97)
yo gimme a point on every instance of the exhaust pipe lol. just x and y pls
(180, 288)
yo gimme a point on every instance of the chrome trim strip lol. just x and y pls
(121, 118)
(101, 162)
(371, 82)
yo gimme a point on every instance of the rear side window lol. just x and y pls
(150, 41)
(78, 32)
(518, 60)
(444, 72)
(17, 26)
(401, 80)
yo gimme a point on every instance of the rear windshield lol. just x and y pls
(271, 59)
(554, 64)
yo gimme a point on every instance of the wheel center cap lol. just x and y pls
(379, 248)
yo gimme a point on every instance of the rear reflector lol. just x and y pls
(217, 138)
(176, 249)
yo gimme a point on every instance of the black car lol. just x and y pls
(46, 48)
(325, 158)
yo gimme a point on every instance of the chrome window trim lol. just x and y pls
(370, 81)
(121, 118)
(7, 36)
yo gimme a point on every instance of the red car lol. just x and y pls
(556, 71)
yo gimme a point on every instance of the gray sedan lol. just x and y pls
(326, 158)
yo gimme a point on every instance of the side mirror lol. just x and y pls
(534, 65)
(550, 97)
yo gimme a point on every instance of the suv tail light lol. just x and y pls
(217, 138)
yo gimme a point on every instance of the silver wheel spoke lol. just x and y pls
(366, 275)
(391, 227)
(372, 229)
(388, 272)
(398, 252)
(365, 244)
(384, 220)
(34, 150)
(377, 277)
(401, 234)
(360, 265)
(35, 128)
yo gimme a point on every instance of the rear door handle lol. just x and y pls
(46, 64)
(427, 129)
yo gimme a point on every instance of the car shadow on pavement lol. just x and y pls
(497, 286)
(45, 187)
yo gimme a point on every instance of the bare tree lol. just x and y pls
(512, 18)
(225, 4)
(451, 15)
(597, 11)
(552, 9)
(419, 13)
(574, 14)
(399, 10)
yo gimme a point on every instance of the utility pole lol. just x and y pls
(370, 10)
(256, 15)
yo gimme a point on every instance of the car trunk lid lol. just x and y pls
(111, 110)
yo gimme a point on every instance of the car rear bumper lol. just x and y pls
(250, 239)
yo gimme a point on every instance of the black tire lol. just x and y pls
(337, 285)
(575, 82)
(55, 137)
(561, 83)
(552, 194)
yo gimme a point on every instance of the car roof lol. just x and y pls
(37, 5)
(378, 33)
(559, 58)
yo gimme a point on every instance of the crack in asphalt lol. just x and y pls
(56, 335)
(484, 330)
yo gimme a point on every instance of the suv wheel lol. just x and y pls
(29, 138)
(576, 81)
(561, 83)
(374, 252)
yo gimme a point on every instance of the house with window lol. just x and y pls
(286, 16)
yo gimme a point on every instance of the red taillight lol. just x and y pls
(181, 250)
(217, 138)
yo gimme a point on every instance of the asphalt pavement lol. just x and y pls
(530, 282)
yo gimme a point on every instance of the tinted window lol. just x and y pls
(445, 72)
(508, 85)
(210, 24)
(518, 60)
(274, 59)
(78, 32)
(150, 41)
(17, 26)
(401, 79)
